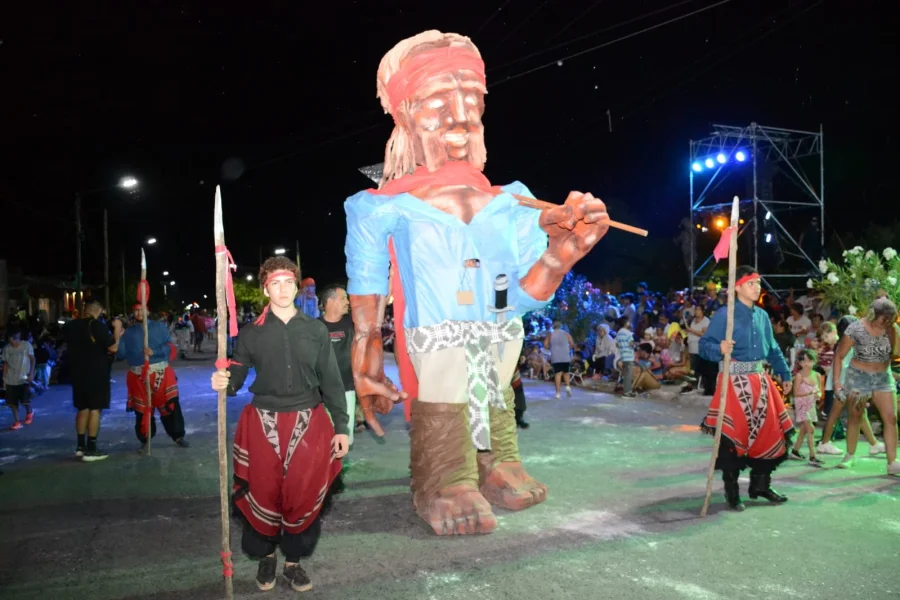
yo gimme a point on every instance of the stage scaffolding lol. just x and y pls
(770, 147)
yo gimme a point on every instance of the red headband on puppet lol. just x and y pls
(279, 273)
(404, 84)
(747, 279)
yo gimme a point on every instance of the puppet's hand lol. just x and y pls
(374, 391)
(574, 228)
(376, 395)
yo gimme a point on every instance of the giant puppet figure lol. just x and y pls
(468, 261)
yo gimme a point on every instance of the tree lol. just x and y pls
(246, 292)
(576, 306)
(852, 284)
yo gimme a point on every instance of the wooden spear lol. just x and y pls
(148, 410)
(222, 267)
(729, 334)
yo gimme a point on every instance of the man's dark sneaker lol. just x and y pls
(265, 574)
(93, 456)
(182, 442)
(297, 577)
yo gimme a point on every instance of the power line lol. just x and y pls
(319, 144)
(572, 22)
(490, 18)
(375, 125)
(615, 41)
(592, 34)
(522, 22)
(725, 58)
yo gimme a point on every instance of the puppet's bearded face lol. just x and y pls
(445, 120)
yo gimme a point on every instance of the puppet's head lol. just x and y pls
(433, 84)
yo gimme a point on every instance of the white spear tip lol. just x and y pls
(143, 259)
(218, 226)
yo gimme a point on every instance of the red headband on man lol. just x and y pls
(404, 84)
(746, 279)
(279, 273)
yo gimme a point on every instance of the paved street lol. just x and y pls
(626, 481)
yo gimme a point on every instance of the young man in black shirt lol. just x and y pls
(336, 317)
(281, 495)
(88, 344)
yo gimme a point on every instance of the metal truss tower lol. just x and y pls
(769, 148)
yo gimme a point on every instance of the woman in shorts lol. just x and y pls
(873, 340)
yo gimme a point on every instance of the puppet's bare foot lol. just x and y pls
(458, 510)
(509, 486)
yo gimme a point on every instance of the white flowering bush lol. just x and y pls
(853, 284)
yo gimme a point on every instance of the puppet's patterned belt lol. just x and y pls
(737, 367)
(483, 381)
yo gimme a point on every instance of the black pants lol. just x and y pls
(173, 422)
(520, 406)
(294, 546)
(729, 461)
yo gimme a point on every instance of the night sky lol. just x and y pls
(168, 92)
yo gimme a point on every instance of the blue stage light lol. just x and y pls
(721, 158)
(709, 163)
(697, 167)
(740, 156)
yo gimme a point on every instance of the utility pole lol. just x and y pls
(105, 261)
(78, 297)
(124, 298)
(297, 245)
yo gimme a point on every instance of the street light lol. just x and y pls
(171, 283)
(249, 277)
(204, 296)
(280, 251)
(151, 241)
(126, 182)
(165, 273)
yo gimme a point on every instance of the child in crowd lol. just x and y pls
(603, 359)
(828, 338)
(625, 348)
(807, 391)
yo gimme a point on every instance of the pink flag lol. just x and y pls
(724, 245)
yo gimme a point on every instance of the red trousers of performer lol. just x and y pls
(755, 425)
(283, 470)
(163, 398)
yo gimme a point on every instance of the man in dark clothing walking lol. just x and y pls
(89, 345)
(340, 331)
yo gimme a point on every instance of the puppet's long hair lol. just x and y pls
(399, 154)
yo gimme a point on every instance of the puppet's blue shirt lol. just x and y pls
(432, 248)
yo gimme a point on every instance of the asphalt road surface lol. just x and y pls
(626, 479)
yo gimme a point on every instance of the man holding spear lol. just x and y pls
(755, 423)
(286, 449)
(149, 373)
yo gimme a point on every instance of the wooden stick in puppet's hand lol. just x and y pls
(543, 205)
(725, 383)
